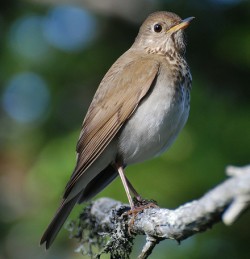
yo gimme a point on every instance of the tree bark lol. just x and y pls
(226, 202)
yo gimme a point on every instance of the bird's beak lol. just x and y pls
(182, 25)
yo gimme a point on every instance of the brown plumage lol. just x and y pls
(138, 110)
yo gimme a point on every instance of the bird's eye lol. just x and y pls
(157, 27)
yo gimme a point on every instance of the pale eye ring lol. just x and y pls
(157, 28)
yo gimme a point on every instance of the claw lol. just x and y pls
(140, 205)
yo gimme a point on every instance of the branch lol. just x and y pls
(225, 202)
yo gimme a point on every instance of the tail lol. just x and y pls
(94, 186)
(58, 221)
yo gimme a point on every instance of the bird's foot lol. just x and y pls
(139, 205)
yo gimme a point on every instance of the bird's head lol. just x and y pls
(162, 32)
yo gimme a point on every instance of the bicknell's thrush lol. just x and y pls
(140, 107)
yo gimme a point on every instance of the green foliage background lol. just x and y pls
(37, 159)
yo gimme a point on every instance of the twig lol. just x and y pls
(225, 202)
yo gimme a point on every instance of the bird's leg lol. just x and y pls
(141, 203)
(132, 189)
(134, 210)
(126, 186)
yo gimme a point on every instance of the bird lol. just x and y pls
(139, 108)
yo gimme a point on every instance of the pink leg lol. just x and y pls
(125, 185)
(132, 189)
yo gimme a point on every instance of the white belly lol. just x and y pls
(155, 124)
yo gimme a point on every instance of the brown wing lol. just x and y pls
(117, 97)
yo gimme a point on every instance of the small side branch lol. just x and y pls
(225, 202)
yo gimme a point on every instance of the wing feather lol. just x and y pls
(116, 99)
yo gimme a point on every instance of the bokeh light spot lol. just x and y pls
(26, 37)
(26, 97)
(69, 28)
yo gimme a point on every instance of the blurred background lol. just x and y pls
(53, 54)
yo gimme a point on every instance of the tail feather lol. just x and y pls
(58, 221)
(94, 186)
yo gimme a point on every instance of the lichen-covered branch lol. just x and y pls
(225, 202)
